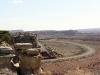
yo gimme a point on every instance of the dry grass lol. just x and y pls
(78, 71)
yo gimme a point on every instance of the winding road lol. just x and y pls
(87, 53)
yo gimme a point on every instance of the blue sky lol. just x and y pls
(49, 14)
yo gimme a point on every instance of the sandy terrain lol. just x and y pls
(66, 49)
(90, 65)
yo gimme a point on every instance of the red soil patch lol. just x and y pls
(91, 63)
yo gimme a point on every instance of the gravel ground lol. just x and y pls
(89, 64)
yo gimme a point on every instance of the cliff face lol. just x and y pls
(4, 44)
(6, 54)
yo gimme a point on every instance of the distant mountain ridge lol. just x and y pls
(15, 31)
(53, 32)
(90, 30)
(62, 32)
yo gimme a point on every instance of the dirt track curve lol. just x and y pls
(87, 53)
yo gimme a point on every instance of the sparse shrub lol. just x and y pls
(78, 71)
(5, 36)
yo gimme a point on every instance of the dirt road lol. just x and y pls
(87, 53)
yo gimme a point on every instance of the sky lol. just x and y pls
(31, 15)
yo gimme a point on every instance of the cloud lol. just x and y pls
(17, 1)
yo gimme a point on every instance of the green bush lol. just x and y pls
(5, 36)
